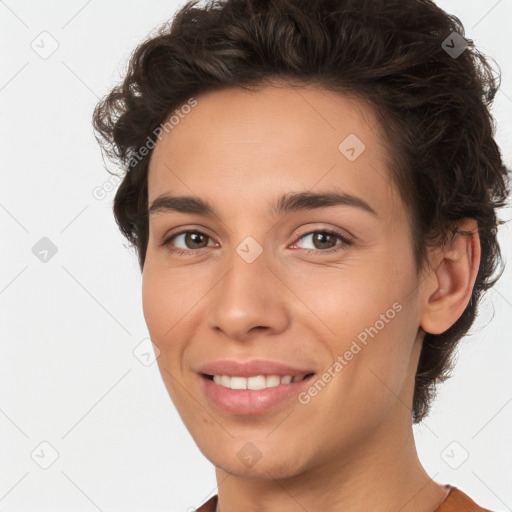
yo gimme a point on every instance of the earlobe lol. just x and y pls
(454, 277)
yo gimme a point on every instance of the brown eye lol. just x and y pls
(323, 241)
(187, 241)
(195, 240)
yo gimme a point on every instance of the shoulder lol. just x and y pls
(208, 506)
(458, 501)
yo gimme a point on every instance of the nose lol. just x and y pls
(250, 300)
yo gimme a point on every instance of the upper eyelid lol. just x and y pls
(341, 236)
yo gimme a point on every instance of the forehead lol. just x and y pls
(274, 140)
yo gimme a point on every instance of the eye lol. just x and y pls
(189, 241)
(324, 241)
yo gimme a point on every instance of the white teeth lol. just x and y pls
(256, 382)
(238, 383)
(272, 381)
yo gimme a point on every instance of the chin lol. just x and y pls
(258, 460)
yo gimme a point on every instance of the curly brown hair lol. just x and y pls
(433, 106)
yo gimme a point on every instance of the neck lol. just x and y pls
(380, 474)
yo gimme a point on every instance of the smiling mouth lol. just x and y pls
(255, 382)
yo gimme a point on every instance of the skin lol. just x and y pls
(351, 447)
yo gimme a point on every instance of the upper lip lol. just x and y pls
(251, 368)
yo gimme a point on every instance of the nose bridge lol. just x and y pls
(248, 278)
(246, 296)
(249, 254)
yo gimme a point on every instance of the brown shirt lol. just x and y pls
(456, 501)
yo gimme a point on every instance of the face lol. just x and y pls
(303, 267)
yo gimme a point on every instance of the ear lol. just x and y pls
(448, 288)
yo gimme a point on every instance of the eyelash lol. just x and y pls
(190, 252)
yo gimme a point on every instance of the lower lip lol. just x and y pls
(248, 401)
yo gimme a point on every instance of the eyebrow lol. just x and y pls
(293, 201)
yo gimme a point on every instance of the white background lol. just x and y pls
(69, 326)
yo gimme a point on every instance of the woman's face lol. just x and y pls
(266, 287)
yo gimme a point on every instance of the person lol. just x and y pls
(312, 189)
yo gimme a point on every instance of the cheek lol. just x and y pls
(355, 296)
(168, 297)
(372, 320)
(155, 303)
(165, 303)
(165, 312)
